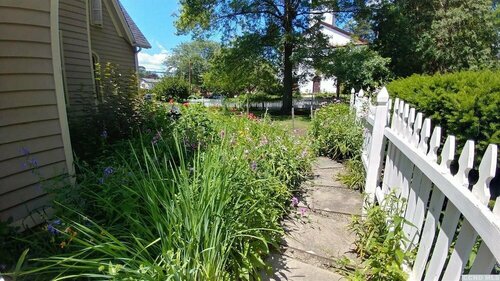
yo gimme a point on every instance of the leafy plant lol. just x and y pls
(354, 176)
(336, 133)
(379, 238)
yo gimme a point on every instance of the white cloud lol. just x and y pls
(154, 61)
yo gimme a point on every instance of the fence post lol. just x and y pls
(351, 100)
(376, 149)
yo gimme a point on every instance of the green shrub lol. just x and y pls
(465, 104)
(172, 88)
(336, 133)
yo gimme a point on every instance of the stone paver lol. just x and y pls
(315, 241)
(291, 269)
(331, 199)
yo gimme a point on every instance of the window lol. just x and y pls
(96, 12)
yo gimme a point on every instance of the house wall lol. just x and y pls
(32, 109)
(77, 60)
(109, 42)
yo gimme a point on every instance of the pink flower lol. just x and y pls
(303, 211)
(295, 201)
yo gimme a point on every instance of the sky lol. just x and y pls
(156, 19)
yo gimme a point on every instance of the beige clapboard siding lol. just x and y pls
(25, 49)
(15, 149)
(26, 65)
(109, 45)
(29, 116)
(78, 71)
(9, 100)
(43, 158)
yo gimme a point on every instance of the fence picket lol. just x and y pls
(451, 216)
(485, 260)
(421, 186)
(390, 164)
(468, 235)
(432, 219)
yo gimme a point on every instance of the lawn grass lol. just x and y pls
(300, 124)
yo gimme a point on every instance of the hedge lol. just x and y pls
(465, 104)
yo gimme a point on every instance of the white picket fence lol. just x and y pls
(437, 202)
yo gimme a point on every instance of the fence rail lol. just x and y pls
(400, 155)
(303, 103)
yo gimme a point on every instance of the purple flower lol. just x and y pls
(104, 134)
(52, 230)
(108, 171)
(156, 138)
(295, 201)
(25, 151)
(33, 163)
(303, 211)
(253, 166)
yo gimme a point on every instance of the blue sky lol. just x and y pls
(156, 20)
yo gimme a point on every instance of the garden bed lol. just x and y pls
(197, 195)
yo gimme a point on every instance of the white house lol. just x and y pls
(148, 83)
(337, 37)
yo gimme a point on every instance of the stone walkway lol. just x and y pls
(317, 238)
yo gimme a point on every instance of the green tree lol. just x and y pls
(172, 88)
(190, 60)
(283, 23)
(425, 36)
(241, 68)
(356, 66)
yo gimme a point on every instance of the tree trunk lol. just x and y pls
(338, 88)
(288, 18)
(287, 80)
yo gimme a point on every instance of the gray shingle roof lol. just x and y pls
(139, 38)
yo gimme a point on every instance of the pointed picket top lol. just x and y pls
(465, 163)
(434, 143)
(361, 93)
(395, 114)
(425, 134)
(389, 107)
(382, 96)
(448, 153)
(487, 170)
(415, 137)
(409, 127)
(353, 91)
(403, 122)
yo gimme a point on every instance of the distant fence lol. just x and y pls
(303, 103)
(400, 155)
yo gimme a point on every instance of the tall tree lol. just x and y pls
(284, 22)
(190, 60)
(355, 67)
(241, 68)
(426, 36)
